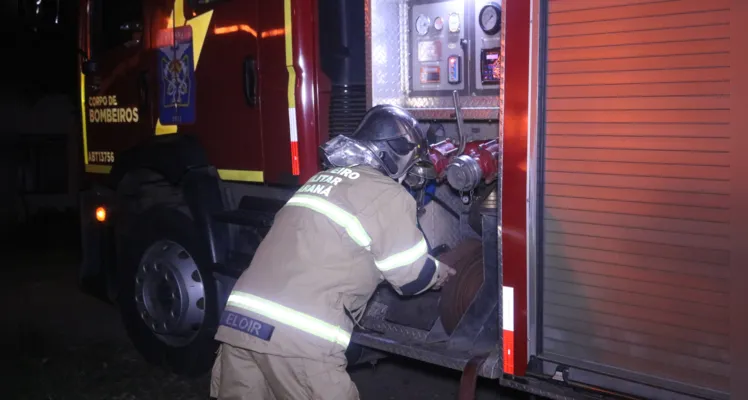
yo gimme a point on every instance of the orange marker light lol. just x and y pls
(100, 214)
(273, 33)
(222, 30)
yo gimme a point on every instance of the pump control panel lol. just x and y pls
(454, 69)
(438, 34)
(490, 66)
(421, 51)
(487, 46)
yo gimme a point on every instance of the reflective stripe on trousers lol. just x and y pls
(290, 317)
(357, 233)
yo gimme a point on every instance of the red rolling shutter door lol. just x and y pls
(635, 224)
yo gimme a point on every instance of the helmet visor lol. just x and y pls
(401, 145)
(342, 151)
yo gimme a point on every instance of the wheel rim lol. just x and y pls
(169, 293)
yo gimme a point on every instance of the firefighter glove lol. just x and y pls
(443, 273)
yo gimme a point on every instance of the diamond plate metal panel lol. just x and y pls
(402, 334)
(429, 353)
(388, 62)
(441, 227)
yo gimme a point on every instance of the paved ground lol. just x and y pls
(64, 344)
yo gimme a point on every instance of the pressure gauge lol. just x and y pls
(438, 23)
(422, 24)
(454, 22)
(490, 18)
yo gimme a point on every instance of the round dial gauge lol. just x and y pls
(438, 23)
(422, 24)
(490, 19)
(454, 22)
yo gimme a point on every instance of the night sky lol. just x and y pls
(42, 52)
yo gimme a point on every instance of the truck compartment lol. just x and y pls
(450, 326)
(632, 268)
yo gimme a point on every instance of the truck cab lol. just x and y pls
(250, 112)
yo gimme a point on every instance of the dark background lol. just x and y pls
(39, 100)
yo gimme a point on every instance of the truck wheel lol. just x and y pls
(167, 295)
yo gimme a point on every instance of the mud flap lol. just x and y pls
(97, 241)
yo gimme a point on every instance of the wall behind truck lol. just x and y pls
(638, 208)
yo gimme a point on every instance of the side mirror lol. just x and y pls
(131, 27)
(89, 67)
(83, 55)
(195, 3)
(133, 31)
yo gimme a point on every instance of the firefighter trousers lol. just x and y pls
(240, 374)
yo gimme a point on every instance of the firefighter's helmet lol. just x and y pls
(388, 139)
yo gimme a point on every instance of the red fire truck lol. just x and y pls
(587, 191)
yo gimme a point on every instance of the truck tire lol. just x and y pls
(167, 294)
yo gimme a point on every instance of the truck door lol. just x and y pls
(227, 116)
(115, 91)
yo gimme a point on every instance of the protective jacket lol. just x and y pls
(342, 233)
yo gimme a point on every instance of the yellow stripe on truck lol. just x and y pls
(200, 25)
(240, 175)
(165, 129)
(292, 126)
(98, 169)
(83, 118)
(289, 54)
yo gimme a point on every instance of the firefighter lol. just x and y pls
(289, 318)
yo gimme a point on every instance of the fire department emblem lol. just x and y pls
(176, 76)
(176, 81)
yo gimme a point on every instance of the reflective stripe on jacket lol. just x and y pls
(334, 241)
